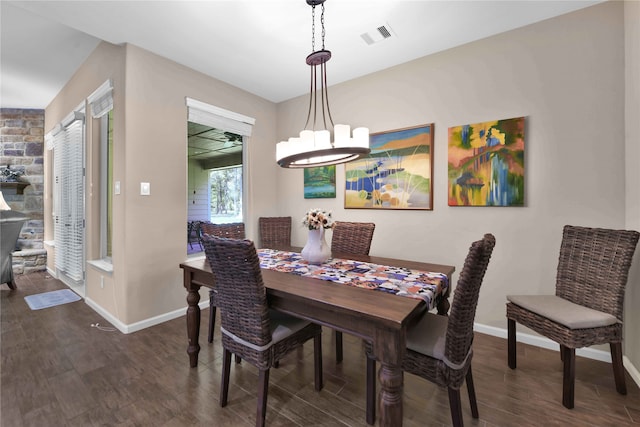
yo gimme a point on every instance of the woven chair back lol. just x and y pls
(275, 231)
(594, 265)
(234, 230)
(241, 295)
(465, 299)
(193, 231)
(352, 237)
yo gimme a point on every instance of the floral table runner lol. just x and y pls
(394, 280)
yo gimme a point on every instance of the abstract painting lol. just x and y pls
(320, 182)
(486, 163)
(397, 174)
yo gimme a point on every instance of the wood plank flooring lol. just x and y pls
(57, 370)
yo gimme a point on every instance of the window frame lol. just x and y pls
(106, 186)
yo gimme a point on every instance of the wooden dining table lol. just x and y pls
(378, 317)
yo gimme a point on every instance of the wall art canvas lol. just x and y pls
(320, 182)
(397, 174)
(486, 163)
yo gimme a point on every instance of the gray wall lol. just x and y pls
(21, 148)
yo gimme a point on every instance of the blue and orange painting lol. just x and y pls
(397, 174)
(486, 163)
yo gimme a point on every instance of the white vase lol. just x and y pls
(316, 251)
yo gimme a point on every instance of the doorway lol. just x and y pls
(215, 179)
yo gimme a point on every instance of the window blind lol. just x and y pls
(219, 118)
(101, 100)
(68, 206)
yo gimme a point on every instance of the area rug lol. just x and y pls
(50, 299)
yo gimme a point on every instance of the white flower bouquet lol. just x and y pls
(316, 219)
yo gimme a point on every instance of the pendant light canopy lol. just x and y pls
(314, 147)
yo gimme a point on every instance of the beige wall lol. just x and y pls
(106, 62)
(566, 75)
(632, 138)
(150, 131)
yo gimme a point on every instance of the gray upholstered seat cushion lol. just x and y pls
(283, 325)
(559, 310)
(428, 335)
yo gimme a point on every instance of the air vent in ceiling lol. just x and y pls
(382, 32)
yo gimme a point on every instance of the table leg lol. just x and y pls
(389, 349)
(193, 321)
(443, 306)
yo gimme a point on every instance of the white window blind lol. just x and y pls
(101, 100)
(219, 118)
(68, 206)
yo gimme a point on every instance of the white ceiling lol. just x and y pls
(257, 45)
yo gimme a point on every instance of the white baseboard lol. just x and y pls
(543, 342)
(633, 372)
(137, 326)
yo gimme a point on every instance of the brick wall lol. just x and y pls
(22, 139)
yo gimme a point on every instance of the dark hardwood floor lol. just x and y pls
(57, 370)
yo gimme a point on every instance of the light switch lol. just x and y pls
(116, 187)
(145, 189)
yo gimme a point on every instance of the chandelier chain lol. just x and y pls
(313, 28)
(315, 146)
(322, 24)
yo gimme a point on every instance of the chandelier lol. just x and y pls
(313, 147)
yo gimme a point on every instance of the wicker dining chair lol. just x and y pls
(275, 231)
(439, 348)
(234, 230)
(588, 303)
(250, 329)
(193, 233)
(350, 238)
